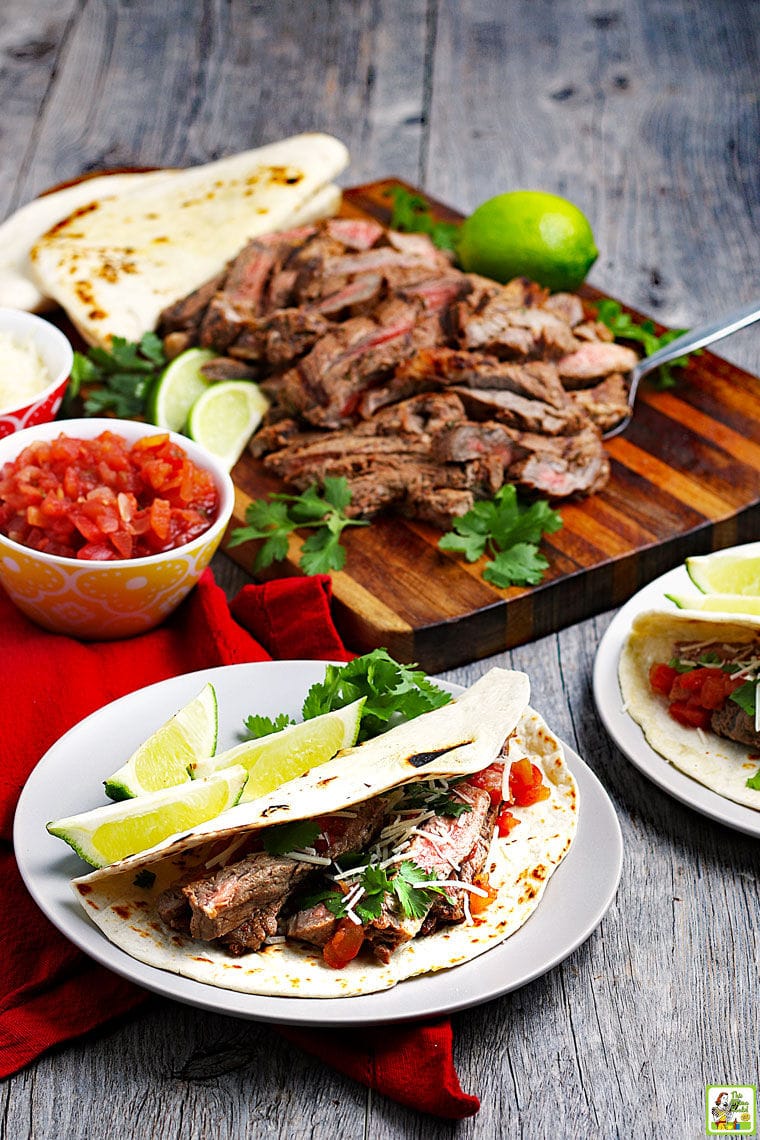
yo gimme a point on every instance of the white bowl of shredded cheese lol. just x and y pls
(35, 363)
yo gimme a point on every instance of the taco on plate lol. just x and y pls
(691, 683)
(416, 851)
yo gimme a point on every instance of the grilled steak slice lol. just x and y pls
(441, 846)
(440, 506)
(187, 314)
(567, 306)
(512, 330)
(355, 233)
(560, 466)
(460, 442)
(315, 924)
(594, 360)
(733, 723)
(526, 414)
(445, 913)
(225, 368)
(227, 898)
(606, 404)
(278, 338)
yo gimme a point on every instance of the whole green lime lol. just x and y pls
(528, 233)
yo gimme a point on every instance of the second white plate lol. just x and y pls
(627, 734)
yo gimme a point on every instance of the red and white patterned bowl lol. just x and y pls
(58, 356)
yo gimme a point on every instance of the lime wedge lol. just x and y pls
(718, 603)
(177, 389)
(166, 756)
(225, 416)
(273, 760)
(106, 834)
(726, 573)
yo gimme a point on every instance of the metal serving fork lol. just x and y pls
(689, 342)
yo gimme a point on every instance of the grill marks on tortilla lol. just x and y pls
(420, 759)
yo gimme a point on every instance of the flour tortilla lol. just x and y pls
(721, 765)
(519, 866)
(116, 260)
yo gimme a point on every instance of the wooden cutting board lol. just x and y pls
(685, 480)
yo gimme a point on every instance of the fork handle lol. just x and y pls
(699, 338)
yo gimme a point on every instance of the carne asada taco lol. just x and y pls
(416, 851)
(691, 683)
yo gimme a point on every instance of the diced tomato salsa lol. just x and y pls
(105, 499)
(693, 696)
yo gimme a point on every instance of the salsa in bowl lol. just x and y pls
(105, 526)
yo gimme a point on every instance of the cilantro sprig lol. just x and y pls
(438, 801)
(413, 888)
(509, 532)
(412, 214)
(118, 381)
(611, 314)
(286, 837)
(274, 519)
(392, 691)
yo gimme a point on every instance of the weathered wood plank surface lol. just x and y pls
(647, 115)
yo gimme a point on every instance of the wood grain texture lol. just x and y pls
(683, 481)
(645, 113)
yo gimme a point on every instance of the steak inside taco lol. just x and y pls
(692, 685)
(428, 850)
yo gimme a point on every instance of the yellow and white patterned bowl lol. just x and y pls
(99, 600)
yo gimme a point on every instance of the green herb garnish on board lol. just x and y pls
(324, 512)
(412, 214)
(611, 314)
(509, 532)
(117, 381)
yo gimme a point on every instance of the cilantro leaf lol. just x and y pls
(275, 518)
(754, 781)
(392, 691)
(286, 837)
(745, 697)
(412, 887)
(259, 726)
(624, 327)
(509, 532)
(118, 380)
(521, 565)
(411, 213)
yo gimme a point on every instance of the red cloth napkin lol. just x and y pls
(49, 991)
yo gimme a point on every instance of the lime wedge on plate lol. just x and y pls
(166, 756)
(106, 834)
(273, 760)
(718, 603)
(727, 573)
(178, 387)
(225, 416)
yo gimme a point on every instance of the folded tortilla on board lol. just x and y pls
(457, 740)
(115, 260)
(721, 764)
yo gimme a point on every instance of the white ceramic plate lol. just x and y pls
(626, 732)
(67, 780)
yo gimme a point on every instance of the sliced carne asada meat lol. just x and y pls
(355, 233)
(241, 902)
(593, 361)
(567, 306)
(733, 723)
(448, 913)
(278, 338)
(315, 924)
(225, 368)
(522, 413)
(560, 466)
(187, 314)
(606, 404)
(440, 847)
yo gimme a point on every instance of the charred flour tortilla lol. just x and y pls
(117, 260)
(720, 764)
(518, 865)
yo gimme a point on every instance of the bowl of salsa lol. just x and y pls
(35, 363)
(106, 525)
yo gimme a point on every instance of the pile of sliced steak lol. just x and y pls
(424, 386)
